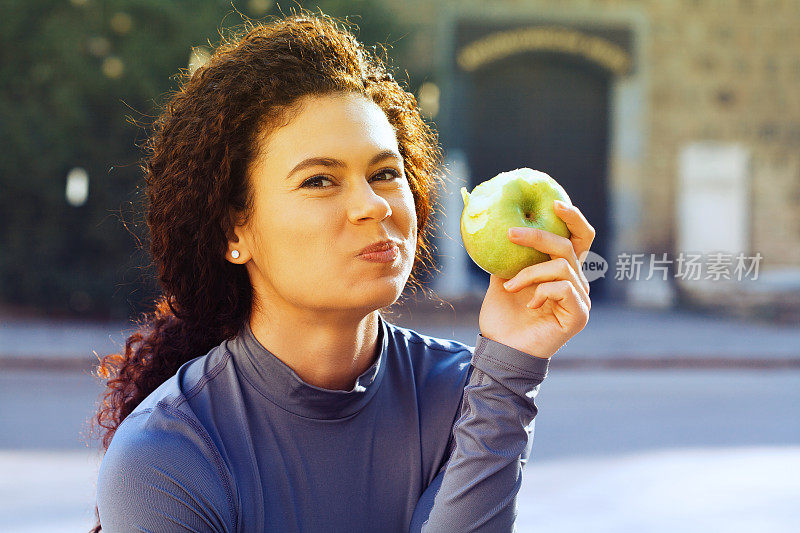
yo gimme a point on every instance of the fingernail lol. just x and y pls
(560, 204)
(514, 232)
(508, 285)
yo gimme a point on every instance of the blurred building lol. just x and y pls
(673, 124)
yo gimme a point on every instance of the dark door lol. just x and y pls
(548, 112)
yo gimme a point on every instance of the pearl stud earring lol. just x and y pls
(235, 254)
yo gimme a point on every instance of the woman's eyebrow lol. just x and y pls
(338, 163)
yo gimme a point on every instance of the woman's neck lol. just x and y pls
(330, 354)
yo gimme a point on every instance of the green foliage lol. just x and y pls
(77, 82)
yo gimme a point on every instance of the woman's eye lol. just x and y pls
(315, 179)
(389, 172)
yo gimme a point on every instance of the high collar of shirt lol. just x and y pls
(276, 381)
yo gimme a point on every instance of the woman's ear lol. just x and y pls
(238, 251)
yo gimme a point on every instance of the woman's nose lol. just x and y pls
(364, 203)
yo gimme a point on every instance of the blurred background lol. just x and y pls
(674, 125)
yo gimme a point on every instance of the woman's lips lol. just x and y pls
(387, 255)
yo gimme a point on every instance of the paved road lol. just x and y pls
(614, 332)
(46, 410)
(581, 413)
(586, 418)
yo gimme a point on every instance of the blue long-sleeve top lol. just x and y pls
(432, 437)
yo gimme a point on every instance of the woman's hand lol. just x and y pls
(556, 292)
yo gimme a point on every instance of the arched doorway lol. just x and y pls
(547, 111)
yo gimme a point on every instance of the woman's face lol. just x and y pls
(328, 184)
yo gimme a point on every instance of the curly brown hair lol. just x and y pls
(197, 155)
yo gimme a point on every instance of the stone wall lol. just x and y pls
(715, 70)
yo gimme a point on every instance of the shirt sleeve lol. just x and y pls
(477, 488)
(162, 476)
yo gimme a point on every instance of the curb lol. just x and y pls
(47, 363)
(677, 362)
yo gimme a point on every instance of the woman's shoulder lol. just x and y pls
(202, 372)
(165, 421)
(435, 361)
(428, 344)
(163, 453)
(441, 369)
(161, 463)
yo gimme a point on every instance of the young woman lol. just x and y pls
(290, 184)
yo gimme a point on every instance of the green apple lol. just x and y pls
(518, 198)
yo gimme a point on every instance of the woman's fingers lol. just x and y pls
(582, 232)
(564, 294)
(549, 243)
(554, 270)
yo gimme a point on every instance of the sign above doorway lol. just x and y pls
(501, 44)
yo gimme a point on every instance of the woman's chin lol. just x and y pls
(383, 291)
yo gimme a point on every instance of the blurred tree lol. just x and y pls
(75, 77)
